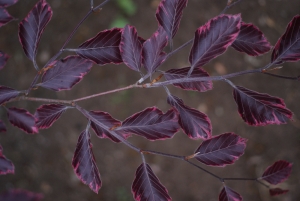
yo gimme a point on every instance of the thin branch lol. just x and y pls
(108, 92)
(240, 179)
(45, 100)
(163, 154)
(229, 6)
(265, 185)
(208, 172)
(283, 77)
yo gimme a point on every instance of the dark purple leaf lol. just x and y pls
(65, 73)
(259, 109)
(7, 3)
(152, 124)
(2, 126)
(213, 39)
(3, 59)
(6, 166)
(5, 17)
(131, 48)
(108, 121)
(169, 14)
(32, 27)
(278, 172)
(193, 122)
(251, 41)
(287, 47)
(200, 86)
(7, 93)
(221, 150)
(147, 187)
(152, 53)
(22, 119)
(20, 195)
(103, 48)
(277, 191)
(227, 194)
(84, 163)
(46, 115)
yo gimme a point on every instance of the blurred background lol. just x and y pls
(43, 161)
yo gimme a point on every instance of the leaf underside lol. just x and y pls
(193, 122)
(7, 3)
(227, 194)
(84, 163)
(287, 48)
(277, 191)
(2, 126)
(7, 93)
(22, 119)
(32, 27)
(251, 41)
(3, 58)
(65, 73)
(278, 172)
(106, 119)
(259, 109)
(221, 150)
(169, 14)
(6, 166)
(20, 195)
(5, 17)
(103, 48)
(147, 187)
(131, 48)
(213, 39)
(152, 124)
(181, 73)
(46, 115)
(152, 51)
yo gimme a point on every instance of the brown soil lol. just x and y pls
(43, 161)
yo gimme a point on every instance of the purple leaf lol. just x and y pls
(152, 124)
(6, 166)
(181, 73)
(46, 115)
(227, 194)
(146, 186)
(278, 172)
(103, 48)
(259, 109)
(5, 17)
(169, 14)
(193, 122)
(20, 195)
(131, 48)
(3, 59)
(251, 41)
(277, 191)
(213, 39)
(84, 163)
(22, 119)
(152, 53)
(7, 93)
(107, 120)
(32, 27)
(7, 3)
(221, 150)
(65, 73)
(287, 47)
(2, 126)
